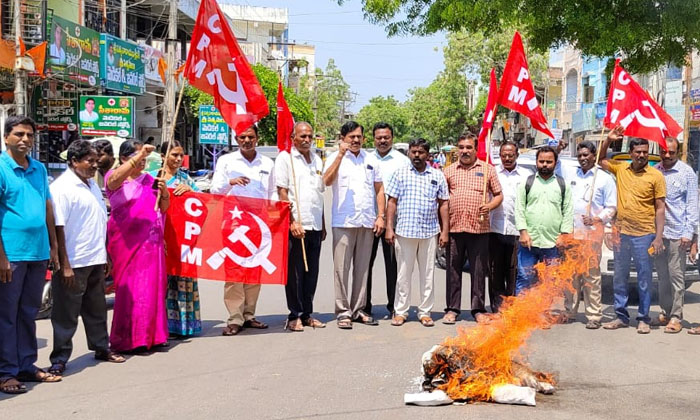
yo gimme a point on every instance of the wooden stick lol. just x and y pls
(595, 172)
(486, 173)
(296, 196)
(170, 138)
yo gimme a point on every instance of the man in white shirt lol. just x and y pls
(602, 199)
(503, 240)
(358, 192)
(306, 225)
(244, 173)
(389, 161)
(79, 286)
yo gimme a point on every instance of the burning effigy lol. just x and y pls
(484, 362)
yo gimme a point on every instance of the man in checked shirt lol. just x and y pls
(681, 220)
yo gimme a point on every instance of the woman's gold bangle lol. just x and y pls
(132, 163)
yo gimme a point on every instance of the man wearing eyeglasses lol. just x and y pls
(602, 198)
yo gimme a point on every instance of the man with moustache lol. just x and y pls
(543, 216)
(243, 173)
(601, 199)
(389, 161)
(503, 239)
(681, 220)
(79, 286)
(417, 194)
(358, 215)
(469, 227)
(641, 203)
(310, 228)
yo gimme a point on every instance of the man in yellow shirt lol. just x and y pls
(641, 193)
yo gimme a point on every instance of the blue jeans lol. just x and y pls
(527, 258)
(633, 247)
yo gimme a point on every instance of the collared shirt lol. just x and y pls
(604, 201)
(466, 187)
(79, 208)
(417, 195)
(390, 163)
(541, 215)
(309, 184)
(503, 216)
(636, 193)
(260, 172)
(23, 196)
(681, 201)
(354, 197)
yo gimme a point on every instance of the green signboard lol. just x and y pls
(107, 116)
(122, 66)
(74, 50)
(212, 128)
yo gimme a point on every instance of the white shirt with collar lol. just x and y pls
(80, 209)
(260, 172)
(390, 163)
(309, 183)
(354, 197)
(503, 216)
(604, 204)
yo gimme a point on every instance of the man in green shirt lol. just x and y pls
(543, 215)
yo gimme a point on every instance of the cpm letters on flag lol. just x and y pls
(228, 238)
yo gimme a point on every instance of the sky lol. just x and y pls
(372, 63)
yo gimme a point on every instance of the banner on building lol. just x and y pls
(228, 238)
(212, 127)
(106, 116)
(55, 114)
(74, 50)
(151, 56)
(122, 65)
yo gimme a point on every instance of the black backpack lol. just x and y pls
(560, 181)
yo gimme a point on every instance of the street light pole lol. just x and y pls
(20, 73)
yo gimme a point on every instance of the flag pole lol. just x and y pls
(170, 138)
(296, 196)
(595, 171)
(486, 172)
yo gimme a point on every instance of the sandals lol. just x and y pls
(57, 368)
(365, 319)
(294, 325)
(398, 320)
(482, 318)
(694, 331)
(109, 356)
(232, 329)
(427, 321)
(449, 318)
(39, 376)
(313, 322)
(673, 327)
(254, 323)
(12, 386)
(344, 323)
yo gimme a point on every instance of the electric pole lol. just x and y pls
(20, 74)
(170, 82)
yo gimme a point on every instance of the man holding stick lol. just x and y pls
(641, 202)
(469, 227)
(306, 180)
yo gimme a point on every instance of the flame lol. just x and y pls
(489, 354)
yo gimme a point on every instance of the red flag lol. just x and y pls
(285, 122)
(517, 92)
(234, 239)
(489, 116)
(217, 66)
(631, 107)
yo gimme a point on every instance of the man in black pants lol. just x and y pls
(303, 187)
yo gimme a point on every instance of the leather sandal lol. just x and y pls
(673, 327)
(232, 329)
(294, 325)
(39, 376)
(427, 321)
(344, 323)
(694, 331)
(398, 320)
(449, 318)
(57, 368)
(313, 322)
(365, 319)
(254, 323)
(12, 386)
(109, 356)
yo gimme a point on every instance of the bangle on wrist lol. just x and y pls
(132, 163)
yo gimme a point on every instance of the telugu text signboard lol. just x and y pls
(122, 65)
(107, 116)
(212, 128)
(74, 50)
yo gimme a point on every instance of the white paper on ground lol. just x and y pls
(427, 398)
(513, 394)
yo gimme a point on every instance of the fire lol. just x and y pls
(488, 355)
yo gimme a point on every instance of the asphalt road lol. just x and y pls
(363, 373)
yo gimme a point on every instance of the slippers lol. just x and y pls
(109, 356)
(232, 329)
(39, 376)
(12, 386)
(449, 318)
(57, 368)
(694, 331)
(344, 323)
(427, 321)
(254, 323)
(398, 320)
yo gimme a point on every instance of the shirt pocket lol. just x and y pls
(430, 190)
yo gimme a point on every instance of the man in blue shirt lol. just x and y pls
(417, 194)
(26, 230)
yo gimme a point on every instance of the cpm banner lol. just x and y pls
(227, 238)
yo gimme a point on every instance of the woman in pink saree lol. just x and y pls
(137, 250)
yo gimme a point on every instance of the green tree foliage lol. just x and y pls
(326, 92)
(388, 110)
(267, 127)
(646, 33)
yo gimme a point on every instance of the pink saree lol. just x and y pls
(137, 249)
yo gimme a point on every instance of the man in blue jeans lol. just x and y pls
(543, 215)
(641, 194)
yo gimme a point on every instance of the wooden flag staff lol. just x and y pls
(170, 139)
(486, 172)
(595, 172)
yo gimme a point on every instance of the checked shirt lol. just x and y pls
(466, 195)
(417, 195)
(681, 201)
